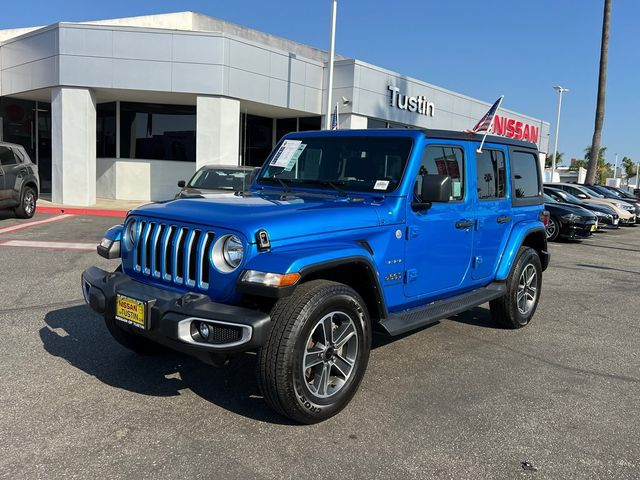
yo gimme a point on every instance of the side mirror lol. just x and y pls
(181, 183)
(582, 196)
(435, 189)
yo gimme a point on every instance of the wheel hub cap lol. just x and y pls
(527, 289)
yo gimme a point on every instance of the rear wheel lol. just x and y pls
(317, 352)
(516, 308)
(552, 229)
(27, 206)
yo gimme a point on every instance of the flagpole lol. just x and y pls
(337, 117)
(479, 150)
(332, 47)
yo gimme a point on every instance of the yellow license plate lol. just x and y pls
(131, 311)
(593, 228)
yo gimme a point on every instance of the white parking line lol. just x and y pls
(48, 245)
(13, 228)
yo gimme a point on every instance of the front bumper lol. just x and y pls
(578, 230)
(172, 315)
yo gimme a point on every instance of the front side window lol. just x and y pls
(363, 164)
(7, 156)
(443, 160)
(490, 173)
(525, 172)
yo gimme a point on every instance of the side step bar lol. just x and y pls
(402, 322)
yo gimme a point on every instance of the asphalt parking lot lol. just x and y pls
(460, 399)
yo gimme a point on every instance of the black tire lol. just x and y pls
(297, 320)
(133, 342)
(27, 206)
(506, 310)
(552, 229)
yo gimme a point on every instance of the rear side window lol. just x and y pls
(443, 160)
(7, 157)
(491, 179)
(526, 177)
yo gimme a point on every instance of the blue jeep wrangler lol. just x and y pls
(340, 232)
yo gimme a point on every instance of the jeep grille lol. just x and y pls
(172, 253)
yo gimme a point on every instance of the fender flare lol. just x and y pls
(517, 238)
(309, 261)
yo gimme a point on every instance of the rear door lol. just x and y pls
(439, 240)
(12, 169)
(493, 210)
(6, 160)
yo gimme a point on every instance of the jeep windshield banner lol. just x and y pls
(364, 164)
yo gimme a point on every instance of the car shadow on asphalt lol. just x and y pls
(80, 337)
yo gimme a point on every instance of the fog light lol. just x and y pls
(204, 331)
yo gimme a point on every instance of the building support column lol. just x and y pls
(351, 121)
(73, 146)
(217, 131)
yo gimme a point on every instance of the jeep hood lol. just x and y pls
(282, 217)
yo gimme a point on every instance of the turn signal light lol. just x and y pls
(270, 279)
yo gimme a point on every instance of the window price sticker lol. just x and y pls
(287, 154)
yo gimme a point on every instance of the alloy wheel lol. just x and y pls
(29, 203)
(527, 289)
(330, 354)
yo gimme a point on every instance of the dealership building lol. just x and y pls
(124, 108)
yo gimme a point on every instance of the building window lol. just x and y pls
(256, 139)
(377, 123)
(158, 132)
(106, 130)
(309, 123)
(284, 126)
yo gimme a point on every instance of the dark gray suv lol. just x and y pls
(19, 183)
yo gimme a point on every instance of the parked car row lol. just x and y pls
(577, 211)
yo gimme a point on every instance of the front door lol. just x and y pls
(439, 240)
(493, 209)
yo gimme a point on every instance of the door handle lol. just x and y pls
(464, 224)
(503, 219)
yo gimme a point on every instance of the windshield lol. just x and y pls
(363, 164)
(592, 192)
(220, 179)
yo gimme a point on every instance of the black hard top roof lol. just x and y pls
(456, 135)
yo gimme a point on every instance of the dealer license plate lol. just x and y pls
(594, 228)
(131, 311)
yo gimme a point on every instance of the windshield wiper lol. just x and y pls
(284, 185)
(327, 183)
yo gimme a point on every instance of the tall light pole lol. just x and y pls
(615, 168)
(332, 48)
(560, 90)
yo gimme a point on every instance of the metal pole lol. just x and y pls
(637, 171)
(332, 46)
(560, 90)
(615, 168)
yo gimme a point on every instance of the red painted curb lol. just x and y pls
(97, 212)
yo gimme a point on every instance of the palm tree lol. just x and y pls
(602, 87)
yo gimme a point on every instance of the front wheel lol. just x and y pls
(552, 229)
(516, 308)
(317, 352)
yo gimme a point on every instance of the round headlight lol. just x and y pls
(130, 232)
(232, 251)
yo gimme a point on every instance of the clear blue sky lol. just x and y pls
(482, 49)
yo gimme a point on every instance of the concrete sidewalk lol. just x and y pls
(105, 207)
